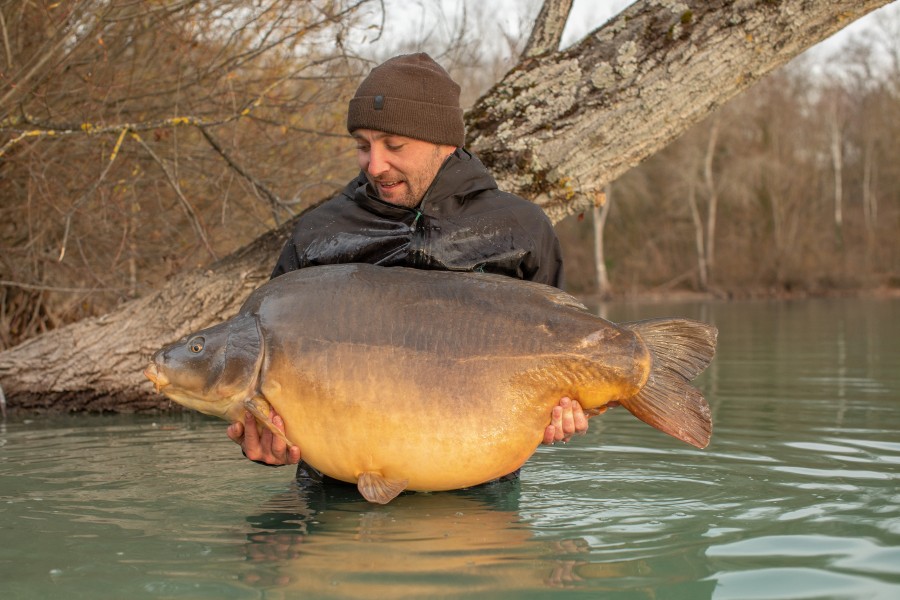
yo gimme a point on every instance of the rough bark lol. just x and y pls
(556, 129)
(96, 364)
(548, 28)
(559, 127)
(602, 204)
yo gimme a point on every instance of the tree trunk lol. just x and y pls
(837, 162)
(698, 234)
(556, 129)
(713, 204)
(870, 204)
(96, 364)
(559, 127)
(548, 28)
(600, 210)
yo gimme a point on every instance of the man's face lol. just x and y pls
(399, 168)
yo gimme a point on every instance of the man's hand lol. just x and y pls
(566, 419)
(263, 446)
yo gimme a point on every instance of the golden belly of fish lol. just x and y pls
(400, 379)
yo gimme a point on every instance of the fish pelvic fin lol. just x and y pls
(375, 488)
(680, 349)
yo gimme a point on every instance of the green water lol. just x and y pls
(797, 496)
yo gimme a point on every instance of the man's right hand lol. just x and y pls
(263, 446)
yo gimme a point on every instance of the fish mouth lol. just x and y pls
(153, 373)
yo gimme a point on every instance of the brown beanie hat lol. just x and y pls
(409, 95)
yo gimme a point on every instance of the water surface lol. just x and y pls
(796, 497)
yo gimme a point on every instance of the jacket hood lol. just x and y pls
(464, 223)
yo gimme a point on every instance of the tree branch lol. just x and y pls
(192, 215)
(6, 47)
(555, 129)
(274, 202)
(548, 28)
(560, 126)
(71, 212)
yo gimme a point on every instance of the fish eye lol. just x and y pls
(196, 344)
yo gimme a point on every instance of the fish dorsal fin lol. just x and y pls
(377, 489)
(555, 295)
(562, 298)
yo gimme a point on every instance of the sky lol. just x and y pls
(588, 15)
(409, 18)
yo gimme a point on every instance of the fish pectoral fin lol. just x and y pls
(375, 488)
(259, 408)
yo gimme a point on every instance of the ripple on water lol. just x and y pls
(796, 497)
(798, 583)
(827, 566)
(835, 473)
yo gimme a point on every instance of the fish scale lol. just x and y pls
(404, 379)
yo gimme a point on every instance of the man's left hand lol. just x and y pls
(566, 419)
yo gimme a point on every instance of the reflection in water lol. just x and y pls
(329, 541)
(796, 497)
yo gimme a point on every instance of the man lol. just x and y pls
(421, 201)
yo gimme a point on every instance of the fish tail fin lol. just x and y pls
(680, 350)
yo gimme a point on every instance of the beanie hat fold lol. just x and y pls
(409, 95)
(420, 120)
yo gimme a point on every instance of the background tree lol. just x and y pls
(557, 128)
(141, 138)
(773, 179)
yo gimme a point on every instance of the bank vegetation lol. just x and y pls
(792, 188)
(153, 155)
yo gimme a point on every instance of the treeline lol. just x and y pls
(141, 138)
(793, 187)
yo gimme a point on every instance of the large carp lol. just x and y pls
(397, 378)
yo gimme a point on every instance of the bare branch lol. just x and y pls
(71, 212)
(9, 58)
(548, 28)
(59, 47)
(49, 131)
(55, 288)
(185, 204)
(271, 196)
(561, 126)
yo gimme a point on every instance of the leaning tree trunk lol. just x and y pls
(556, 129)
(96, 364)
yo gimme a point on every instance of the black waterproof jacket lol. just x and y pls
(464, 223)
